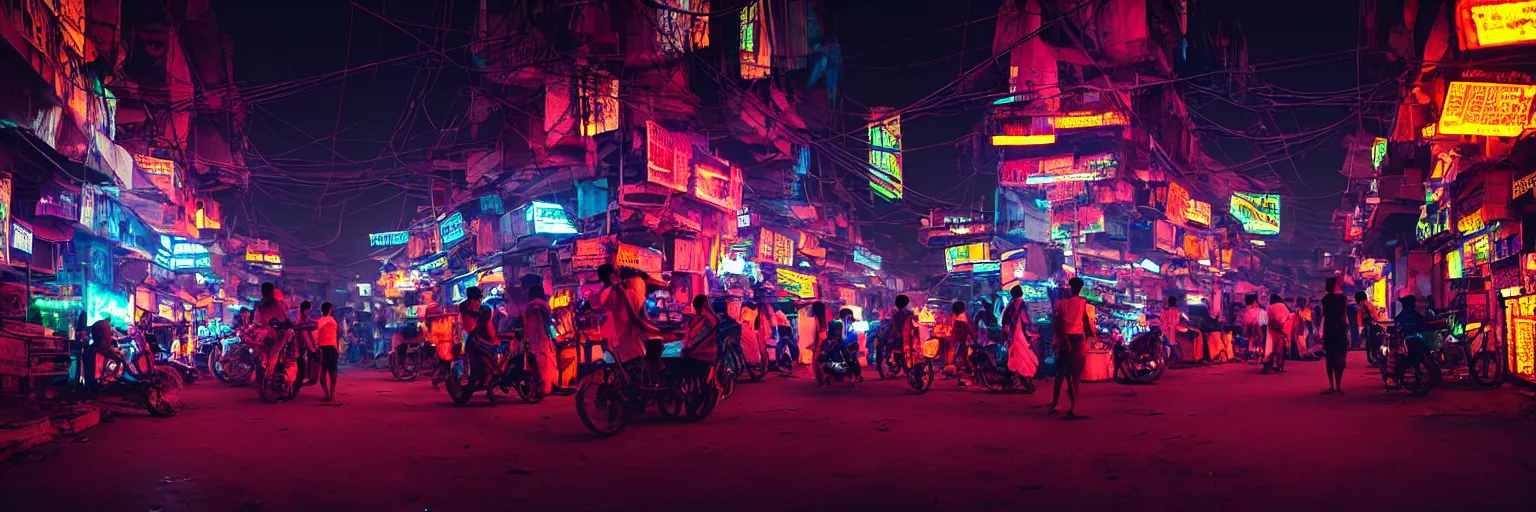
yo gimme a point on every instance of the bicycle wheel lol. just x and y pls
(1417, 379)
(756, 372)
(458, 382)
(531, 387)
(600, 403)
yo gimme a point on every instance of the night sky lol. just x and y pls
(315, 164)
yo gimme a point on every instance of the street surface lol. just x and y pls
(1217, 438)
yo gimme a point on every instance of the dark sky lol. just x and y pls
(894, 55)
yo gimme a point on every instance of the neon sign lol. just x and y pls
(1033, 132)
(1520, 330)
(1259, 213)
(1489, 109)
(1489, 23)
(21, 236)
(797, 284)
(548, 218)
(1378, 152)
(389, 239)
(1075, 120)
(775, 248)
(885, 157)
(862, 256)
(451, 229)
(968, 253)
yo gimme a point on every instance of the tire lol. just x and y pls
(530, 388)
(600, 403)
(162, 394)
(890, 367)
(458, 382)
(756, 372)
(725, 376)
(1487, 368)
(407, 367)
(236, 368)
(920, 377)
(274, 387)
(699, 399)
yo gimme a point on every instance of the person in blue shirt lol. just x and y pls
(1415, 328)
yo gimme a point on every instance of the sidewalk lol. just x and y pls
(25, 424)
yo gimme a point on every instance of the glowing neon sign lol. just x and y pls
(1489, 23)
(1259, 213)
(389, 239)
(1075, 120)
(885, 157)
(1489, 109)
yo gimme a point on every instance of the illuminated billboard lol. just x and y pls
(546, 218)
(1378, 152)
(667, 157)
(180, 253)
(1076, 120)
(775, 248)
(968, 253)
(797, 284)
(1489, 23)
(885, 157)
(866, 258)
(1259, 213)
(1489, 109)
(1025, 132)
(1058, 169)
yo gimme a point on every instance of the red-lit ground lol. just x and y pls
(1221, 438)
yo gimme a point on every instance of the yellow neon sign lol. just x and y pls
(1488, 109)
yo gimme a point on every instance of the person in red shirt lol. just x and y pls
(961, 335)
(701, 348)
(326, 337)
(1073, 323)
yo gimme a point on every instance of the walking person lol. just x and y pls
(1277, 336)
(1253, 327)
(1302, 330)
(328, 337)
(1022, 359)
(1072, 323)
(961, 334)
(537, 320)
(1335, 335)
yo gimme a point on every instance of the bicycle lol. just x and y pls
(1478, 358)
(614, 393)
(924, 367)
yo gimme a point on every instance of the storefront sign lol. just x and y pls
(885, 157)
(491, 204)
(1488, 23)
(796, 284)
(1371, 268)
(1378, 152)
(639, 258)
(1523, 185)
(388, 239)
(1520, 330)
(968, 253)
(1506, 240)
(181, 254)
(1075, 120)
(775, 248)
(451, 229)
(667, 156)
(1431, 225)
(160, 172)
(547, 218)
(1471, 222)
(1058, 169)
(1483, 108)
(1475, 251)
(862, 256)
(590, 254)
(21, 236)
(1198, 213)
(1024, 131)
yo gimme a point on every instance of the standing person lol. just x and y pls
(328, 337)
(1021, 353)
(1302, 329)
(961, 334)
(1073, 324)
(1335, 335)
(1172, 324)
(786, 342)
(1278, 337)
(753, 329)
(536, 324)
(987, 325)
(1253, 325)
(629, 327)
(475, 319)
(1370, 322)
(823, 323)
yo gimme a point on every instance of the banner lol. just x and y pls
(885, 156)
(1259, 213)
(717, 182)
(775, 248)
(639, 258)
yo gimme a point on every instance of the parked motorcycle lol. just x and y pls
(159, 392)
(1142, 360)
(1406, 363)
(1477, 357)
(989, 367)
(294, 367)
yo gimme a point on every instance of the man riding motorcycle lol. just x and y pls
(1417, 331)
(269, 310)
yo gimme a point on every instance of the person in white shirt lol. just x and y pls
(1277, 336)
(1253, 325)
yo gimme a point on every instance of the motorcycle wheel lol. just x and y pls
(405, 368)
(890, 367)
(162, 394)
(1486, 370)
(699, 399)
(756, 372)
(274, 387)
(530, 389)
(600, 403)
(725, 372)
(458, 382)
(1374, 357)
(1418, 380)
(920, 377)
(235, 368)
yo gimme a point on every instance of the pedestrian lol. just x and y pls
(537, 320)
(823, 326)
(1021, 352)
(1302, 330)
(1172, 324)
(753, 330)
(1278, 336)
(904, 331)
(1335, 335)
(328, 337)
(700, 349)
(787, 344)
(1073, 324)
(1370, 321)
(1253, 326)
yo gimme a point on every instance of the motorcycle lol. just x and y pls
(1142, 360)
(614, 393)
(294, 367)
(840, 362)
(1406, 363)
(159, 392)
(924, 367)
(234, 363)
(989, 366)
(733, 362)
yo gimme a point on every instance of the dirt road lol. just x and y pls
(1218, 438)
